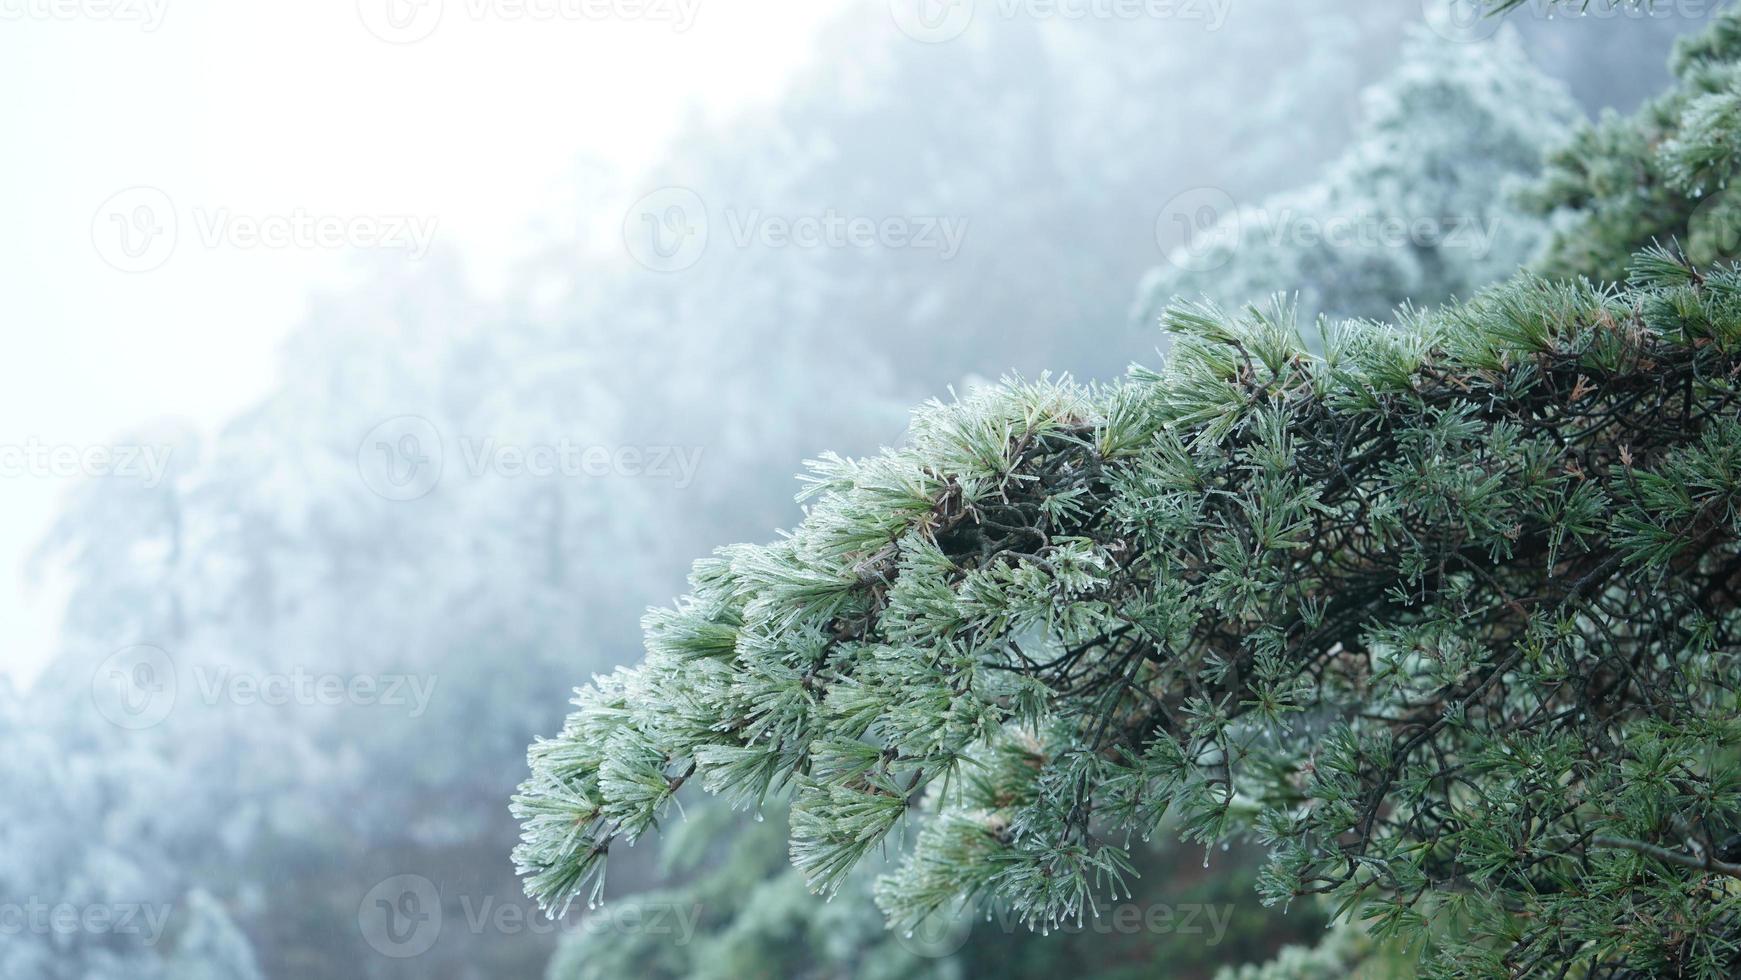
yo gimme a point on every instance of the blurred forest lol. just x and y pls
(1062, 147)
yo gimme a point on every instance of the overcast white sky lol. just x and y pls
(254, 109)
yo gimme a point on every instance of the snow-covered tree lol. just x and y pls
(1661, 174)
(267, 550)
(89, 886)
(1415, 209)
(270, 548)
(1444, 615)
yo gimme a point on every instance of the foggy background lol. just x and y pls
(374, 365)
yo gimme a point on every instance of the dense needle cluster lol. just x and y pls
(1661, 174)
(1446, 616)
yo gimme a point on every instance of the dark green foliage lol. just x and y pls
(1445, 615)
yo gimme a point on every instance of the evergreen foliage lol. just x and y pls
(1661, 174)
(755, 918)
(747, 921)
(1338, 956)
(262, 550)
(1415, 209)
(1445, 615)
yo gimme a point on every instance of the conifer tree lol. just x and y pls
(1661, 174)
(263, 549)
(1445, 615)
(744, 921)
(1417, 207)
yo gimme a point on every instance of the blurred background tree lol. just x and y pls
(1415, 209)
